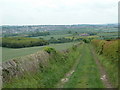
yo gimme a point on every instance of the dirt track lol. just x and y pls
(85, 77)
(104, 76)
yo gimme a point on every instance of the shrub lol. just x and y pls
(107, 48)
(49, 50)
(74, 47)
(86, 40)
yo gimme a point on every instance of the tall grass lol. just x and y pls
(47, 77)
(111, 69)
(107, 48)
(108, 52)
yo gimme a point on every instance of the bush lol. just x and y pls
(86, 40)
(49, 50)
(107, 48)
(74, 47)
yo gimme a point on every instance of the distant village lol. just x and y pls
(32, 28)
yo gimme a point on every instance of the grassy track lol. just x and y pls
(8, 53)
(86, 74)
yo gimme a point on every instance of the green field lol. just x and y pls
(55, 36)
(108, 35)
(9, 53)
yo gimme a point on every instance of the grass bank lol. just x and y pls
(107, 52)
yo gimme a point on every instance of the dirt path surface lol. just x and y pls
(104, 76)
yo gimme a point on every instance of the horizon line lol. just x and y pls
(56, 24)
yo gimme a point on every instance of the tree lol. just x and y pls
(69, 32)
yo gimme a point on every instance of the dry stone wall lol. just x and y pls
(20, 66)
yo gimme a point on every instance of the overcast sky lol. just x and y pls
(20, 12)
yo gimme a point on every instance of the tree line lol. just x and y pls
(60, 40)
(21, 42)
(37, 33)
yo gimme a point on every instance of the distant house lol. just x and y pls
(84, 34)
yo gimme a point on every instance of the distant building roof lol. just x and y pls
(85, 34)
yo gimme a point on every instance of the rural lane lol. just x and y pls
(87, 72)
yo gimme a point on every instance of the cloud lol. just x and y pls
(58, 11)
